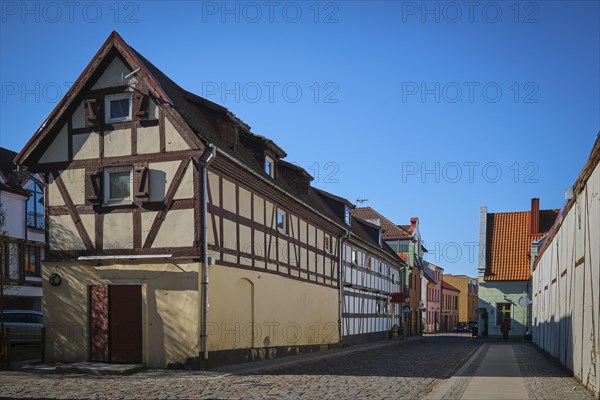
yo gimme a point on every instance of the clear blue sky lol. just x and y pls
(388, 89)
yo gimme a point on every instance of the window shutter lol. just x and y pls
(91, 112)
(93, 186)
(141, 181)
(140, 103)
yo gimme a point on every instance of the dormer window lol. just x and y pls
(380, 239)
(347, 215)
(117, 107)
(270, 166)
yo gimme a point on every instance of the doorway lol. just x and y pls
(115, 323)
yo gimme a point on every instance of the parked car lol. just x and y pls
(472, 324)
(24, 326)
(461, 327)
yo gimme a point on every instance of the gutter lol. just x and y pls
(204, 264)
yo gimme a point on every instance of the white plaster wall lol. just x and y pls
(86, 145)
(117, 143)
(58, 149)
(566, 289)
(14, 212)
(112, 75)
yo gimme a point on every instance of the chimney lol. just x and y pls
(534, 216)
(414, 221)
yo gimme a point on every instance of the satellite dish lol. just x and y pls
(524, 301)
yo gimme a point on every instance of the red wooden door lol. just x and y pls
(125, 323)
(99, 337)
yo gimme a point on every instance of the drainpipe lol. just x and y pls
(343, 239)
(204, 282)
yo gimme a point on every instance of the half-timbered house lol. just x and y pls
(371, 273)
(174, 232)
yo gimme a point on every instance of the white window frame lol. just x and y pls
(116, 96)
(347, 215)
(284, 215)
(112, 202)
(269, 161)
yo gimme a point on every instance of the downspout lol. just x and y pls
(204, 281)
(343, 239)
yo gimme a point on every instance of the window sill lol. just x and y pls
(117, 121)
(117, 203)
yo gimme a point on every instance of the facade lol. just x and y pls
(414, 251)
(505, 267)
(434, 277)
(406, 242)
(449, 306)
(21, 200)
(175, 234)
(467, 299)
(371, 274)
(565, 281)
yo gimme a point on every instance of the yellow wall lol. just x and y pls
(253, 308)
(170, 328)
(461, 282)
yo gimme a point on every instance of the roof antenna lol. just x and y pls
(129, 74)
(361, 200)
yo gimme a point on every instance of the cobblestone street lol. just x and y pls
(408, 370)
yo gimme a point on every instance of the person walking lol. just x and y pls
(505, 328)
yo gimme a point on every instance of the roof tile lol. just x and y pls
(508, 244)
(390, 230)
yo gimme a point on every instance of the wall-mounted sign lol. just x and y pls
(398, 298)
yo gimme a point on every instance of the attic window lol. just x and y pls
(347, 215)
(118, 107)
(270, 166)
(118, 183)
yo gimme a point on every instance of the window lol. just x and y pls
(32, 261)
(35, 206)
(269, 166)
(327, 243)
(369, 261)
(354, 257)
(117, 184)
(281, 221)
(380, 239)
(347, 215)
(117, 107)
(502, 312)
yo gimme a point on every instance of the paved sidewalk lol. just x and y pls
(499, 371)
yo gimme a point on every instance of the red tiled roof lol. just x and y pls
(447, 286)
(390, 230)
(508, 244)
